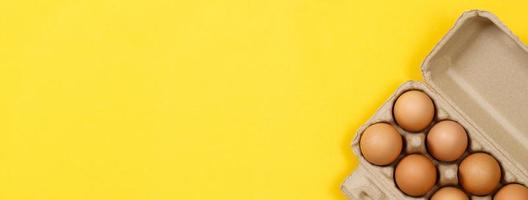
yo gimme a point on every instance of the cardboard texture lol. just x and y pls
(476, 75)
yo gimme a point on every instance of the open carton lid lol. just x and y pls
(481, 69)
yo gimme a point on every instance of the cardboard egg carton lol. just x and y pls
(476, 75)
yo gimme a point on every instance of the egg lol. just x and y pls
(512, 192)
(381, 144)
(449, 193)
(447, 140)
(414, 111)
(479, 174)
(415, 175)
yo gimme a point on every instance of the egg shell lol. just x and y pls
(415, 175)
(479, 174)
(450, 193)
(447, 140)
(512, 192)
(381, 144)
(414, 110)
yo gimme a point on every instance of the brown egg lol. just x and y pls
(447, 140)
(512, 192)
(415, 175)
(479, 174)
(381, 144)
(414, 111)
(449, 193)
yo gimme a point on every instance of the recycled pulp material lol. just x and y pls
(477, 75)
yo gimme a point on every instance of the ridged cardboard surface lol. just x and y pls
(476, 75)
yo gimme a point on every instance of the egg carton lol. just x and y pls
(476, 75)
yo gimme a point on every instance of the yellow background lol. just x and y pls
(121, 99)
